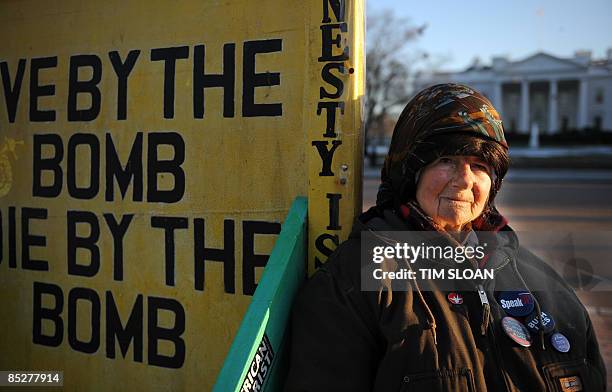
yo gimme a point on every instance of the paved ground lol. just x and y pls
(576, 201)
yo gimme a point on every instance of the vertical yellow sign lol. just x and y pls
(148, 155)
(335, 108)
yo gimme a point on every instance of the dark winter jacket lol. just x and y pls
(346, 339)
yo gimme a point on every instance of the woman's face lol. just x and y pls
(453, 190)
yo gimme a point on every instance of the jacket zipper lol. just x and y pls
(486, 310)
(486, 325)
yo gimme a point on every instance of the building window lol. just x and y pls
(599, 96)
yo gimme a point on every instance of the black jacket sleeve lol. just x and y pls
(332, 348)
(594, 358)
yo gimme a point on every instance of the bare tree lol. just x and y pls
(389, 67)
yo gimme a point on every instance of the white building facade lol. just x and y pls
(556, 94)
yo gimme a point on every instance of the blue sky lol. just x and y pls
(458, 31)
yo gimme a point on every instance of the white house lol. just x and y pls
(556, 93)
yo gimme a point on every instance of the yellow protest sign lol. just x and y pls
(148, 155)
(334, 115)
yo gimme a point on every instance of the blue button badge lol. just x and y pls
(533, 323)
(560, 342)
(516, 303)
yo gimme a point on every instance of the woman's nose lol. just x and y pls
(463, 176)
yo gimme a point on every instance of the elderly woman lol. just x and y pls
(446, 162)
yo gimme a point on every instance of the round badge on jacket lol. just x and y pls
(560, 342)
(533, 323)
(517, 303)
(516, 331)
(455, 298)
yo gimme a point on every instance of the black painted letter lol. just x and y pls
(132, 332)
(326, 155)
(334, 211)
(169, 224)
(123, 69)
(132, 170)
(333, 80)
(37, 91)
(28, 239)
(321, 247)
(52, 164)
(169, 56)
(225, 80)
(11, 93)
(251, 80)
(328, 43)
(118, 231)
(90, 243)
(330, 107)
(76, 294)
(156, 333)
(92, 189)
(52, 314)
(226, 255)
(338, 8)
(76, 87)
(172, 166)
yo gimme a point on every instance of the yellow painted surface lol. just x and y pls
(236, 168)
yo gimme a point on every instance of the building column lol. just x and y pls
(553, 106)
(524, 115)
(498, 97)
(582, 104)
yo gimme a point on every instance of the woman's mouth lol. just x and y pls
(456, 200)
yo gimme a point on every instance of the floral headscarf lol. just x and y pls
(443, 109)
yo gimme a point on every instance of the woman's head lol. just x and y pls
(450, 125)
(454, 190)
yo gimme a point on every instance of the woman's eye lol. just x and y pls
(445, 160)
(481, 166)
